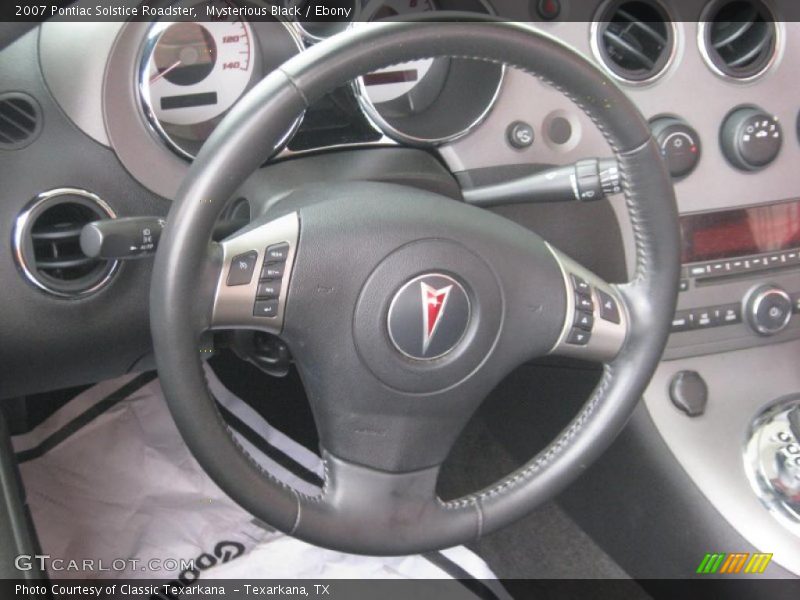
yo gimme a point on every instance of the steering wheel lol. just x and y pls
(404, 309)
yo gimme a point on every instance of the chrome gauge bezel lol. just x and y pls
(313, 38)
(152, 37)
(379, 122)
(382, 124)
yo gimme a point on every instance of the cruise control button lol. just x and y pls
(272, 270)
(581, 285)
(584, 303)
(268, 290)
(277, 252)
(583, 320)
(266, 308)
(578, 337)
(242, 267)
(609, 311)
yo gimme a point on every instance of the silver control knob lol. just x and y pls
(768, 309)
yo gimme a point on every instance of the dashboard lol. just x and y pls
(114, 125)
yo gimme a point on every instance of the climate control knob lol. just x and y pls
(679, 145)
(751, 138)
(768, 309)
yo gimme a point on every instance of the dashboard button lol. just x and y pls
(242, 267)
(277, 252)
(272, 270)
(583, 320)
(268, 290)
(580, 285)
(681, 322)
(584, 303)
(731, 314)
(578, 337)
(609, 310)
(520, 135)
(698, 270)
(548, 9)
(769, 309)
(266, 308)
(703, 318)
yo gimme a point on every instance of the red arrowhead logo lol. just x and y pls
(433, 304)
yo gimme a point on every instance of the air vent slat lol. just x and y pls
(748, 56)
(737, 31)
(740, 38)
(57, 234)
(64, 263)
(634, 39)
(15, 125)
(22, 108)
(19, 120)
(644, 27)
(634, 53)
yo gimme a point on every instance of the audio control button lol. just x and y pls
(769, 309)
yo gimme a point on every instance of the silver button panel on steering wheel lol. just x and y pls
(254, 280)
(596, 322)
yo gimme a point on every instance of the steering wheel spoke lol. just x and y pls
(596, 319)
(256, 266)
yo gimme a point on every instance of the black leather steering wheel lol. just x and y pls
(404, 309)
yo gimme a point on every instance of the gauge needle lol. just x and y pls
(161, 74)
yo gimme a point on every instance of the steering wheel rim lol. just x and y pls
(375, 510)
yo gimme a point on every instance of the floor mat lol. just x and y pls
(110, 481)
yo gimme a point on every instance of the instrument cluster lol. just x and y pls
(192, 73)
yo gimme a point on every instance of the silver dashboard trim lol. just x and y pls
(709, 447)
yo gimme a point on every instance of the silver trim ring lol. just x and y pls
(306, 35)
(382, 125)
(758, 296)
(17, 242)
(777, 53)
(594, 43)
(376, 119)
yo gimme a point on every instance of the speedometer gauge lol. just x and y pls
(198, 70)
(193, 72)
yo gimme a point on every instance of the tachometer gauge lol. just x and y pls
(398, 80)
(433, 100)
(193, 72)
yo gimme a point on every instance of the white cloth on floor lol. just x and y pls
(123, 491)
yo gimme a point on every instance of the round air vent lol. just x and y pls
(634, 39)
(739, 38)
(20, 120)
(47, 243)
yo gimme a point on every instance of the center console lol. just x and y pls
(740, 284)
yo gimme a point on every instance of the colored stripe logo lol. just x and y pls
(734, 563)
